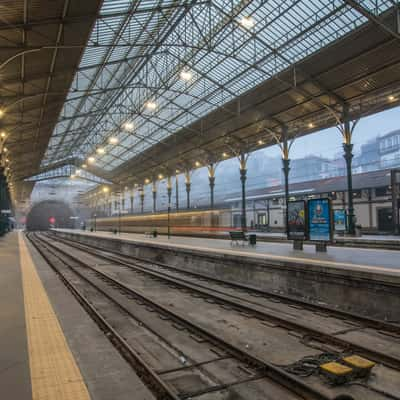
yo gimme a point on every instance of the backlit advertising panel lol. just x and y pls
(339, 216)
(319, 220)
(296, 220)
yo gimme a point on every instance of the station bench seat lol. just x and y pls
(238, 236)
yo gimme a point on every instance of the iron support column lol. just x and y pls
(169, 193)
(132, 201)
(348, 156)
(154, 201)
(212, 185)
(286, 170)
(177, 192)
(188, 185)
(142, 201)
(243, 219)
(395, 208)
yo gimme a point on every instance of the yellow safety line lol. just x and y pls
(54, 372)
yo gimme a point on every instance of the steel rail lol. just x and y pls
(276, 373)
(365, 320)
(145, 372)
(221, 296)
(98, 317)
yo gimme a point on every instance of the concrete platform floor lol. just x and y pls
(372, 260)
(49, 348)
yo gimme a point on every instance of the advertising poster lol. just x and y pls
(296, 220)
(339, 217)
(319, 219)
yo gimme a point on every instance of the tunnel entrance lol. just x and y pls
(49, 213)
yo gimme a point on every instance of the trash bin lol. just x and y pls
(252, 239)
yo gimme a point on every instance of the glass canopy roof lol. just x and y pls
(153, 67)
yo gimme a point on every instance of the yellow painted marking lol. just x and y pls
(54, 372)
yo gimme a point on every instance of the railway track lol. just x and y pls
(365, 321)
(220, 293)
(106, 300)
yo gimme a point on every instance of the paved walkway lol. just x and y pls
(49, 347)
(374, 260)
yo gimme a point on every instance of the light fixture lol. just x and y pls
(5, 149)
(105, 189)
(186, 75)
(91, 160)
(197, 164)
(84, 166)
(151, 105)
(311, 125)
(113, 140)
(73, 176)
(100, 150)
(1, 112)
(160, 176)
(177, 171)
(224, 154)
(260, 142)
(391, 98)
(3, 135)
(247, 22)
(147, 180)
(78, 171)
(7, 160)
(128, 126)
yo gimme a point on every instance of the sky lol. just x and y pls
(328, 142)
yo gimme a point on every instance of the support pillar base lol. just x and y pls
(297, 245)
(321, 247)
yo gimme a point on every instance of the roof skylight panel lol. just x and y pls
(112, 6)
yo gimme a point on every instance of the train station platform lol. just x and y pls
(362, 281)
(372, 241)
(372, 260)
(50, 349)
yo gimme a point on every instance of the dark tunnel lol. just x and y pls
(49, 213)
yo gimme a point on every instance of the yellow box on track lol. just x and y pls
(361, 365)
(335, 368)
(336, 373)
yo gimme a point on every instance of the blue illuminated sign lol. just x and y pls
(319, 219)
(340, 220)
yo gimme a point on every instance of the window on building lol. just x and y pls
(357, 194)
(262, 219)
(237, 220)
(382, 191)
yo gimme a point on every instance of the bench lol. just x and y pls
(152, 234)
(238, 236)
